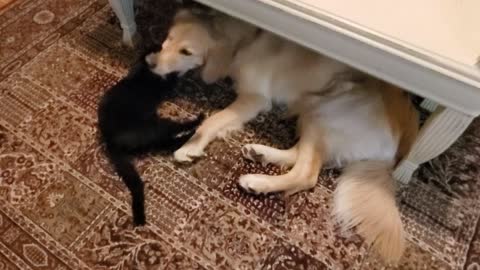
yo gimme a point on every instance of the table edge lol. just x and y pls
(390, 64)
(375, 37)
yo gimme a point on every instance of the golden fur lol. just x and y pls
(266, 70)
(364, 126)
(211, 39)
(365, 130)
(403, 117)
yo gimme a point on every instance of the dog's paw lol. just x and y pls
(254, 183)
(250, 152)
(188, 152)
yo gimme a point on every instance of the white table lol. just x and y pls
(429, 47)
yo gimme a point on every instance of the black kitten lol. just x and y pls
(129, 127)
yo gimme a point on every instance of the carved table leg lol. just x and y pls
(429, 105)
(124, 11)
(440, 131)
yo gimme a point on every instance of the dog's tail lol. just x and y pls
(365, 199)
(125, 168)
(155, 137)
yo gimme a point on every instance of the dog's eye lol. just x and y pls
(185, 52)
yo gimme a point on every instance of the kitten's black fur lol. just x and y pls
(129, 127)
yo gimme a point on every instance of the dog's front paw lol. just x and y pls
(188, 152)
(254, 183)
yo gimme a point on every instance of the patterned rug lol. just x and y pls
(62, 207)
(4, 3)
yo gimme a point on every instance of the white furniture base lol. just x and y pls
(440, 131)
(429, 105)
(451, 88)
(125, 13)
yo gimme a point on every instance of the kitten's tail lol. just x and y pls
(125, 168)
(150, 138)
(365, 199)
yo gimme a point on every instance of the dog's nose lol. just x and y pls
(151, 65)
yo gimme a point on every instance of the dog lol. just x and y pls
(130, 127)
(346, 119)
(266, 71)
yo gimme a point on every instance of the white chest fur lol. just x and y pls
(354, 127)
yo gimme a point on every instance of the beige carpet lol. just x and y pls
(63, 208)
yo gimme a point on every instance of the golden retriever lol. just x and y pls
(365, 126)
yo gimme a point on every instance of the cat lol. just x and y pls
(130, 127)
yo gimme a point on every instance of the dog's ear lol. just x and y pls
(217, 62)
(195, 11)
(183, 14)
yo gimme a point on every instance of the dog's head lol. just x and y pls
(193, 42)
(185, 48)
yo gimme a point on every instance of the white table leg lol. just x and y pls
(440, 131)
(429, 105)
(124, 11)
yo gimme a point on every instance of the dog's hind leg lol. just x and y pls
(302, 176)
(266, 154)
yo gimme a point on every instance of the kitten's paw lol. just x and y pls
(254, 183)
(188, 152)
(250, 152)
(253, 152)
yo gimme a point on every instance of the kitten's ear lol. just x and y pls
(217, 63)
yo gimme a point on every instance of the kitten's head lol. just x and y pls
(141, 74)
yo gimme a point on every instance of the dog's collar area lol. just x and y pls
(171, 75)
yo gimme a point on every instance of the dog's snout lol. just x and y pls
(151, 65)
(150, 59)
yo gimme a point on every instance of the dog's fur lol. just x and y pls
(366, 126)
(267, 70)
(201, 38)
(130, 127)
(367, 130)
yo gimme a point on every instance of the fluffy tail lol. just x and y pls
(365, 199)
(126, 170)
